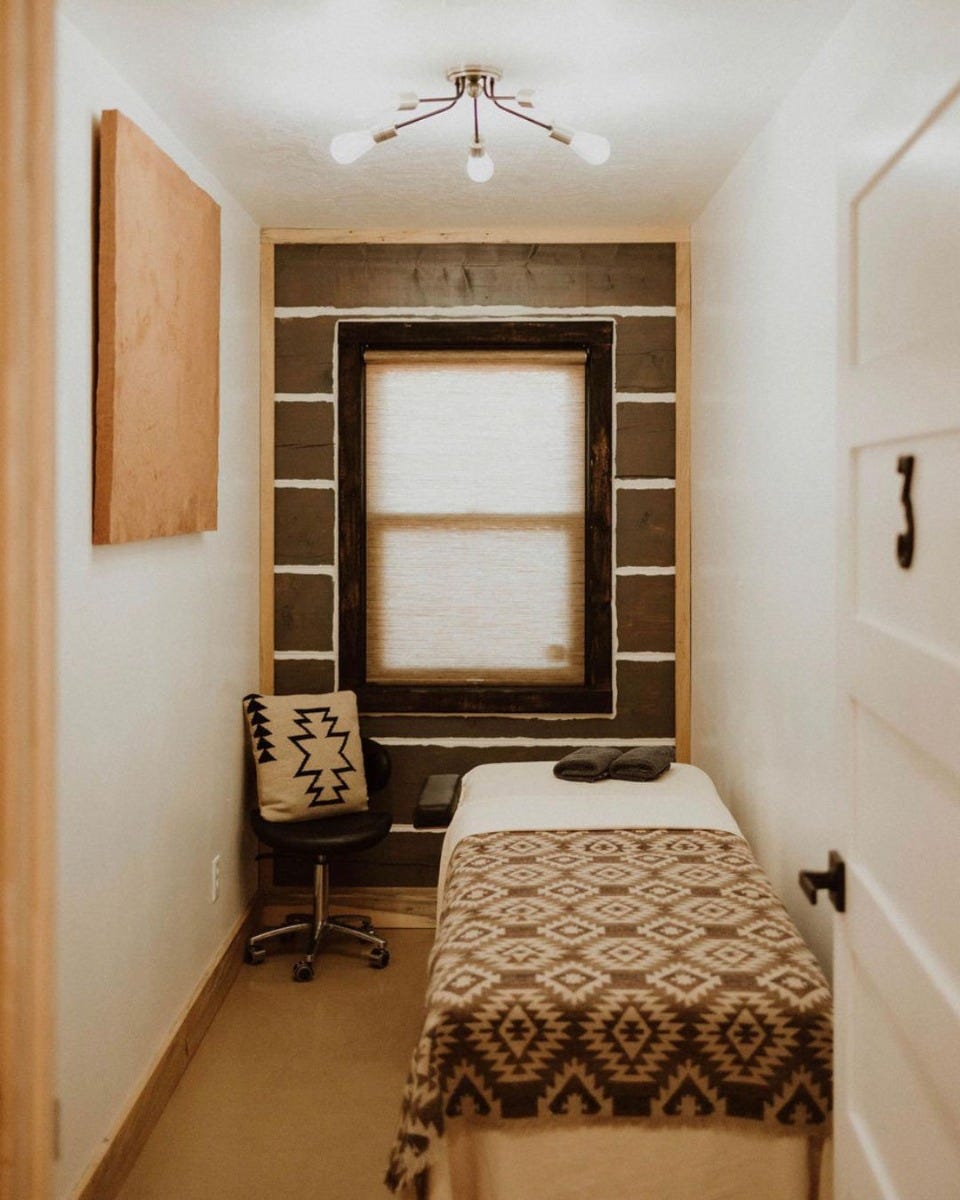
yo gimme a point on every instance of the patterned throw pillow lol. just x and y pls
(308, 755)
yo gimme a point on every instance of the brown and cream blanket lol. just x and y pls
(627, 975)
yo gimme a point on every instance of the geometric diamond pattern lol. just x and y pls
(638, 956)
(736, 956)
(606, 872)
(573, 984)
(628, 975)
(695, 874)
(631, 1031)
(528, 955)
(671, 931)
(569, 890)
(520, 874)
(659, 890)
(521, 909)
(324, 762)
(746, 1033)
(614, 910)
(797, 986)
(572, 929)
(686, 986)
(709, 910)
(769, 933)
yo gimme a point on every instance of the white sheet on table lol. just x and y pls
(608, 1162)
(527, 795)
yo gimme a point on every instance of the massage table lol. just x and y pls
(619, 1006)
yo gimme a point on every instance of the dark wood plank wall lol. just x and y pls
(608, 280)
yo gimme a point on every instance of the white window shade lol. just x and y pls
(475, 494)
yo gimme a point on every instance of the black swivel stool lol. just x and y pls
(318, 842)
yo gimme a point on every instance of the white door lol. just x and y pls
(898, 944)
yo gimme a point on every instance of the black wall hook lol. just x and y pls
(833, 880)
(905, 540)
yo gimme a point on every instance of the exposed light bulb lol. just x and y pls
(525, 97)
(348, 147)
(406, 101)
(479, 163)
(591, 147)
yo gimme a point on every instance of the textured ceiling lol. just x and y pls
(257, 89)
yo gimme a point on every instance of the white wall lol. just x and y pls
(157, 644)
(764, 460)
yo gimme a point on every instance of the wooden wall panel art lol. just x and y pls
(157, 405)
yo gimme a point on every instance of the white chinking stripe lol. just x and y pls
(330, 656)
(482, 311)
(491, 743)
(303, 655)
(308, 569)
(642, 485)
(646, 570)
(645, 398)
(315, 484)
(645, 656)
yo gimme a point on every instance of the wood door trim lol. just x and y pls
(267, 472)
(272, 237)
(678, 233)
(682, 644)
(27, 598)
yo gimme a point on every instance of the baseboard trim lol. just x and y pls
(387, 907)
(105, 1177)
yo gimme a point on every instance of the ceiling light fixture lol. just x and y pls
(475, 83)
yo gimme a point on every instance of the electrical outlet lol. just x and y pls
(215, 879)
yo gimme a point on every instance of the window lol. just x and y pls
(474, 486)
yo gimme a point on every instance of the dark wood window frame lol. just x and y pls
(595, 339)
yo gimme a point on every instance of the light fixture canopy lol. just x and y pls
(476, 83)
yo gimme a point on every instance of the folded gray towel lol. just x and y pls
(641, 763)
(589, 764)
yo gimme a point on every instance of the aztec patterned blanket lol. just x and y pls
(649, 975)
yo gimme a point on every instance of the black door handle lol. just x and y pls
(905, 540)
(834, 880)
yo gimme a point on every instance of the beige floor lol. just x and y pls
(295, 1092)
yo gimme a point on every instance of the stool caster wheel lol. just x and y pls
(254, 955)
(302, 971)
(379, 958)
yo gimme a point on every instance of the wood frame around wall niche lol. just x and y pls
(678, 234)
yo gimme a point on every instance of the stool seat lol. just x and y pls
(334, 835)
